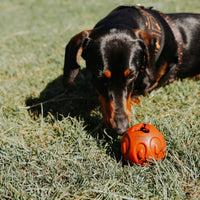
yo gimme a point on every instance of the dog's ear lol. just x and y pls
(73, 53)
(150, 43)
(148, 39)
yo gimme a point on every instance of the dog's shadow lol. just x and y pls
(79, 100)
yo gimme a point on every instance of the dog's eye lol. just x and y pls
(101, 77)
(102, 80)
(131, 76)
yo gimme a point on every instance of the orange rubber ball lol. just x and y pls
(143, 143)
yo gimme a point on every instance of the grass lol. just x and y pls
(53, 143)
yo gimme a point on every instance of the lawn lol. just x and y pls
(53, 143)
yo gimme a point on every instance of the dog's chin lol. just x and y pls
(118, 127)
(120, 131)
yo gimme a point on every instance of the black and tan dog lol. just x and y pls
(132, 51)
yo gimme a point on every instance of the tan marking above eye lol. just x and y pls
(127, 72)
(107, 73)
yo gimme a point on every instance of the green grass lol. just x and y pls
(59, 148)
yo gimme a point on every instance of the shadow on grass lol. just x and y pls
(79, 100)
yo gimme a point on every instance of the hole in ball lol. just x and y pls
(144, 129)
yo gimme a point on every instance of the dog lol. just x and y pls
(132, 51)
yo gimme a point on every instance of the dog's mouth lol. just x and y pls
(120, 131)
(118, 120)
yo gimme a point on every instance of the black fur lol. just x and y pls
(119, 42)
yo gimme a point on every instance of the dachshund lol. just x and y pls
(132, 51)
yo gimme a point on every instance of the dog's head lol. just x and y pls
(116, 59)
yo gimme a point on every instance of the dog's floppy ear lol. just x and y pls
(73, 52)
(148, 39)
(150, 43)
